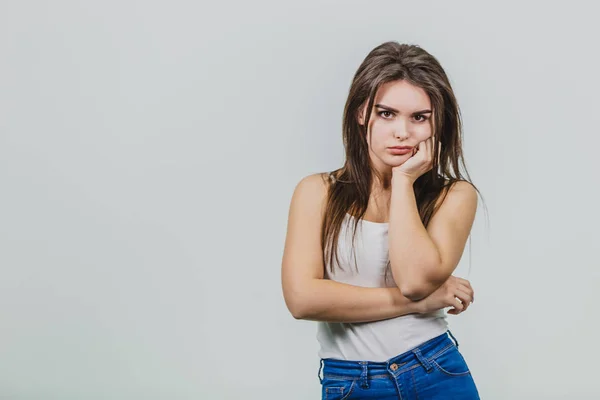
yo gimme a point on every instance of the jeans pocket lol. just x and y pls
(451, 362)
(336, 389)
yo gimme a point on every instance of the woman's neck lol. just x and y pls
(381, 185)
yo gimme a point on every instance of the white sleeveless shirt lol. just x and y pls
(377, 340)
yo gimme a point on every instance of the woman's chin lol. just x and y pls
(396, 162)
(391, 161)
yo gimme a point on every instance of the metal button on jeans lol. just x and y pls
(394, 367)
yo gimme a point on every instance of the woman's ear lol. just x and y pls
(361, 115)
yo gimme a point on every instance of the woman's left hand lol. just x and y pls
(419, 163)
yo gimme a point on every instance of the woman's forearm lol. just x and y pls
(413, 255)
(328, 300)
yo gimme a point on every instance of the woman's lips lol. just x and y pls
(400, 150)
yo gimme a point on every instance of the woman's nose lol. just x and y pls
(401, 130)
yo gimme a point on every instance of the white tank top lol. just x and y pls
(378, 340)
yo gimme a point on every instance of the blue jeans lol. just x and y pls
(434, 370)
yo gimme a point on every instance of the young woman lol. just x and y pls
(371, 247)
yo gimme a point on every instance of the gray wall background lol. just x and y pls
(149, 150)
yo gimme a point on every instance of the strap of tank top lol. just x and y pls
(331, 177)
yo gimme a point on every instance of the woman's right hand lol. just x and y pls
(455, 292)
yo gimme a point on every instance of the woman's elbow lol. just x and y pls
(414, 290)
(297, 311)
(296, 304)
(418, 290)
(414, 293)
(409, 289)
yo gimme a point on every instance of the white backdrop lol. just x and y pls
(149, 150)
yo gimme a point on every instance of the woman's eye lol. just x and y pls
(424, 118)
(385, 112)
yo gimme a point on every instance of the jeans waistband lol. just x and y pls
(395, 365)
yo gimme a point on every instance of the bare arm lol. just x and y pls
(306, 293)
(327, 300)
(422, 258)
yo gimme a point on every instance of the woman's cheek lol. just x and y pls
(425, 130)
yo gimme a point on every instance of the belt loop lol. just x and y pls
(426, 364)
(453, 338)
(319, 373)
(364, 383)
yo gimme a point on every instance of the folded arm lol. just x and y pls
(422, 258)
(306, 293)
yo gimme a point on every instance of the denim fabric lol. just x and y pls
(434, 370)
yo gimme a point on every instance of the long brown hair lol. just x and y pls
(350, 187)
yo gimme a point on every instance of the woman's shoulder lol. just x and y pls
(460, 186)
(456, 188)
(315, 184)
(319, 181)
(311, 190)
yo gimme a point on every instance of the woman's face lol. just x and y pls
(401, 116)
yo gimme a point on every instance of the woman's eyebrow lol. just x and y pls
(396, 111)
